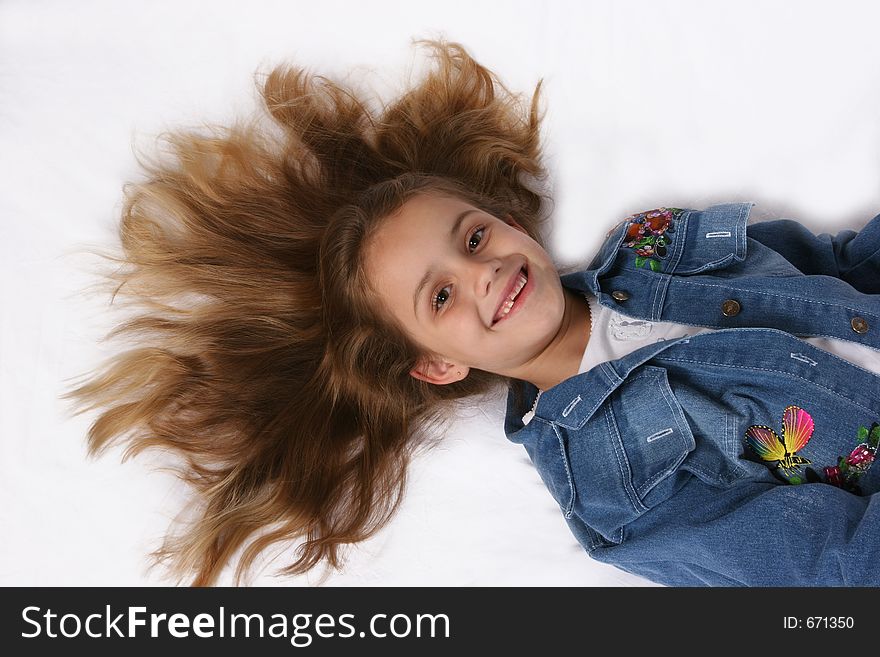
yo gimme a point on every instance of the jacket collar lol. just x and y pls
(573, 401)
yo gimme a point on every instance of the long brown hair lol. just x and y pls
(287, 399)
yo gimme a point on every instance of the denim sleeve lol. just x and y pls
(755, 535)
(853, 256)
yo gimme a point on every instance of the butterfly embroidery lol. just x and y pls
(797, 427)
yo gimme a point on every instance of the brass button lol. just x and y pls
(859, 325)
(730, 308)
(619, 295)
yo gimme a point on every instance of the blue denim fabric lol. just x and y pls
(647, 455)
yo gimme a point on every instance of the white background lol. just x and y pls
(648, 103)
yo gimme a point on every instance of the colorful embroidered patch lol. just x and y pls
(797, 427)
(647, 233)
(848, 470)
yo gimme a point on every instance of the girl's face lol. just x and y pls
(470, 289)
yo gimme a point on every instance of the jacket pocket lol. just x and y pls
(627, 457)
(652, 433)
(710, 239)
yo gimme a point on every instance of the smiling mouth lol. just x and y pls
(508, 303)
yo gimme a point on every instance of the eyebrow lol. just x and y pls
(428, 274)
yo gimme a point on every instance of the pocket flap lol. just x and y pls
(622, 459)
(709, 239)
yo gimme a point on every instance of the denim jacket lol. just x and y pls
(735, 457)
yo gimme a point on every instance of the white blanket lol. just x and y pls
(648, 103)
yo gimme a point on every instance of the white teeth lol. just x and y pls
(508, 304)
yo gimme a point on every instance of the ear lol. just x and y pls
(438, 371)
(510, 221)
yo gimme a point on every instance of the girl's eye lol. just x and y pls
(440, 298)
(475, 239)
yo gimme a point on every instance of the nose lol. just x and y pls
(486, 275)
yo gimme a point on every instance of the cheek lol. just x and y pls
(451, 329)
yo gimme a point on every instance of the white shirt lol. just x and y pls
(613, 335)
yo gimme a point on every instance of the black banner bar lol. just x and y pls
(425, 621)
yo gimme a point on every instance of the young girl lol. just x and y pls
(702, 401)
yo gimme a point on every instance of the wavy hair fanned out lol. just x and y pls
(255, 360)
